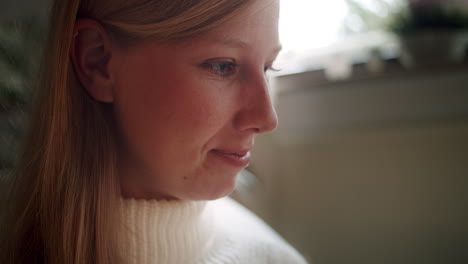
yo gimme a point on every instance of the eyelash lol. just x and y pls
(270, 68)
(217, 67)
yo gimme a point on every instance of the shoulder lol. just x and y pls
(249, 237)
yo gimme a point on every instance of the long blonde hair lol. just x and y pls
(65, 189)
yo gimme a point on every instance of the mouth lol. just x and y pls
(238, 153)
(236, 158)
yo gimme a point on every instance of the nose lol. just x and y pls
(256, 112)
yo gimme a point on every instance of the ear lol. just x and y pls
(91, 54)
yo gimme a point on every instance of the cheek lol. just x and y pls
(161, 112)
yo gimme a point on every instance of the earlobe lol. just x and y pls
(91, 54)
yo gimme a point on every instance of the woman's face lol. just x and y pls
(187, 112)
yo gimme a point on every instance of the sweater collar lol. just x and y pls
(157, 231)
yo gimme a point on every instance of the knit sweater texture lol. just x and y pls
(199, 232)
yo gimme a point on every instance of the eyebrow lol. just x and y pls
(238, 43)
(233, 42)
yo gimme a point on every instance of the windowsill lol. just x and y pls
(360, 72)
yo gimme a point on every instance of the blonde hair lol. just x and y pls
(65, 189)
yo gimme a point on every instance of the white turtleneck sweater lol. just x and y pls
(199, 232)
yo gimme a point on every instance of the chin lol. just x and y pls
(219, 194)
(213, 190)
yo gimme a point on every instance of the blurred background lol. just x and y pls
(369, 163)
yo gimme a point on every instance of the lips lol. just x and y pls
(239, 153)
(236, 158)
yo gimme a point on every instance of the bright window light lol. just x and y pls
(309, 24)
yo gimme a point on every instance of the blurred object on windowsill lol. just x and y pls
(419, 34)
(429, 32)
(431, 47)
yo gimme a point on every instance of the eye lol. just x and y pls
(222, 68)
(270, 68)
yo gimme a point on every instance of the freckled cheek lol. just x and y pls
(173, 100)
(176, 112)
(199, 114)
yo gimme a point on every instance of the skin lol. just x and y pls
(177, 104)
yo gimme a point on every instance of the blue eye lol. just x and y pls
(221, 68)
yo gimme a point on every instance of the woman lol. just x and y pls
(146, 110)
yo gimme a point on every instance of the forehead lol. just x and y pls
(256, 25)
(260, 15)
(253, 30)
